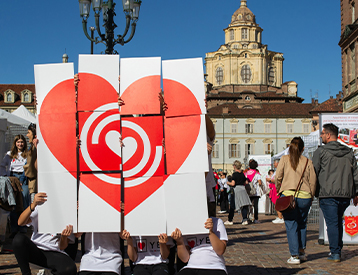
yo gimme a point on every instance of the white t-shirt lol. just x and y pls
(102, 253)
(48, 242)
(210, 180)
(148, 250)
(17, 164)
(202, 254)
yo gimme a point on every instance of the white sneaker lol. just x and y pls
(278, 220)
(221, 212)
(245, 223)
(294, 260)
(228, 223)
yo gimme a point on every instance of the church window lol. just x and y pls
(219, 75)
(268, 148)
(245, 55)
(240, 17)
(236, 46)
(248, 17)
(254, 46)
(271, 76)
(246, 73)
(243, 34)
(232, 35)
(247, 98)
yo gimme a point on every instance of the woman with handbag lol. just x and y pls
(296, 183)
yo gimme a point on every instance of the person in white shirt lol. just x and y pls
(45, 250)
(102, 254)
(224, 201)
(203, 252)
(149, 254)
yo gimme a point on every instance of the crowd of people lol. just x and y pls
(332, 176)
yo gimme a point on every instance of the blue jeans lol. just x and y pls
(333, 210)
(296, 225)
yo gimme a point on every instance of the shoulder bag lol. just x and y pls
(288, 203)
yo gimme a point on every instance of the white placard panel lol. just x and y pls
(190, 156)
(61, 206)
(95, 214)
(186, 203)
(149, 217)
(105, 66)
(47, 76)
(140, 85)
(188, 73)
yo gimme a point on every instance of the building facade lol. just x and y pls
(349, 50)
(253, 110)
(14, 95)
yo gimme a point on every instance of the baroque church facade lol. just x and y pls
(253, 110)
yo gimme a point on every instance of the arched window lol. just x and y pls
(246, 73)
(26, 97)
(219, 75)
(9, 97)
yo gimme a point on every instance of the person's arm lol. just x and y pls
(210, 130)
(279, 175)
(182, 250)
(131, 250)
(218, 245)
(164, 248)
(35, 141)
(24, 218)
(312, 178)
(64, 237)
(316, 160)
(232, 183)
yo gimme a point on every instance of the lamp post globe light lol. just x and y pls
(131, 10)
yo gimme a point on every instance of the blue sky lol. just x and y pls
(306, 32)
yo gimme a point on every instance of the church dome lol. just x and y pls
(243, 14)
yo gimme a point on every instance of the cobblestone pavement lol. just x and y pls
(254, 249)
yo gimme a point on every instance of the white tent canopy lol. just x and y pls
(13, 119)
(24, 113)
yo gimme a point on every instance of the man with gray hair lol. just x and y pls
(337, 174)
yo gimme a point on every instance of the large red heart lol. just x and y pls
(90, 84)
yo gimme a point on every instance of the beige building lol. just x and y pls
(253, 110)
(244, 59)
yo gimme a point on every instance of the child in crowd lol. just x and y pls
(203, 252)
(149, 254)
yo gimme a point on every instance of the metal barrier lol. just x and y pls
(313, 215)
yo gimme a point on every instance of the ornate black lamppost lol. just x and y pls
(131, 10)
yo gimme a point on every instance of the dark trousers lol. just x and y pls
(333, 210)
(27, 252)
(194, 271)
(224, 203)
(151, 269)
(255, 203)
